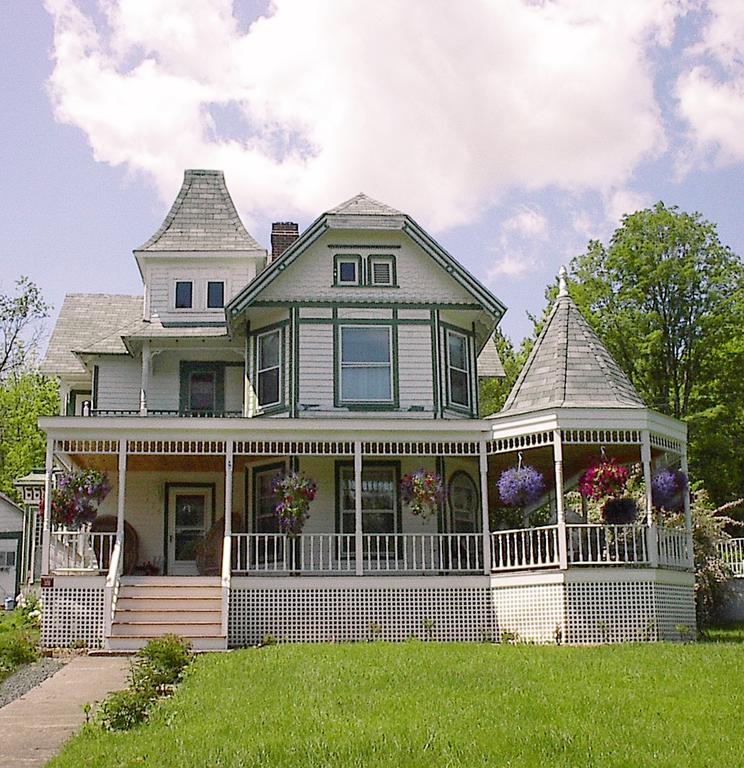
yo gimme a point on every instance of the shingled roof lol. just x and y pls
(361, 205)
(89, 320)
(202, 218)
(489, 363)
(569, 367)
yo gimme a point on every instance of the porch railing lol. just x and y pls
(334, 553)
(732, 553)
(588, 544)
(522, 548)
(674, 548)
(82, 551)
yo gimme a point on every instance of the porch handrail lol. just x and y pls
(675, 548)
(279, 553)
(422, 552)
(111, 589)
(81, 550)
(731, 552)
(520, 548)
(598, 544)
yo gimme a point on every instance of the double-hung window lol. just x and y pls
(366, 364)
(379, 506)
(268, 368)
(458, 369)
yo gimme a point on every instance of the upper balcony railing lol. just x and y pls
(732, 553)
(163, 413)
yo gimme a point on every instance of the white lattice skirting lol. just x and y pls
(596, 606)
(73, 614)
(385, 611)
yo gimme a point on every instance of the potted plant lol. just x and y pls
(76, 498)
(607, 481)
(668, 488)
(520, 486)
(423, 492)
(294, 493)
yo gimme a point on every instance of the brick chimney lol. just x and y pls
(283, 234)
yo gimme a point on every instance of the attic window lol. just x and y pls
(184, 294)
(347, 269)
(381, 271)
(215, 294)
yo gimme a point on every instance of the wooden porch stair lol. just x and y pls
(152, 606)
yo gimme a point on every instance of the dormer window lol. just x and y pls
(184, 294)
(215, 294)
(347, 270)
(381, 270)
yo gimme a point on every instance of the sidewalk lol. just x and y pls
(34, 727)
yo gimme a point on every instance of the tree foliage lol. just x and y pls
(24, 398)
(21, 314)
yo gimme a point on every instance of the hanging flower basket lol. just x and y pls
(668, 488)
(520, 486)
(620, 510)
(76, 498)
(294, 492)
(423, 492)
(603, 480)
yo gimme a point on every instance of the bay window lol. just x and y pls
(365, 364)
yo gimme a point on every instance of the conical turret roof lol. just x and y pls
(570, 367)
(202, 218)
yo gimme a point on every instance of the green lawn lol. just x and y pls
(419, 704)
(725, 633)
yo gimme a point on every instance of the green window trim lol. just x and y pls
(261, 334)
(449, 403)
(285, 374)
(72, 400)
(347, 258)
(365, 405)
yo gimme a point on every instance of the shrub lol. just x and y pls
(161, 663)
(125, 709)
(17, 646)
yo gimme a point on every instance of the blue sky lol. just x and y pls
(513, 132)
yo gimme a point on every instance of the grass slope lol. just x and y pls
(419, 704)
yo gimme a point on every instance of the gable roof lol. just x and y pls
(489, 363)
(375, 215)
(89, 320)
(202, 218)
(570, 367)
(361, 205)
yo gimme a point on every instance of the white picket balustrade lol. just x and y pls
(306, 553)
(674, 548)
(521, 548)
(83, 550)
(732, 553)
(589, 544)
(422, 552)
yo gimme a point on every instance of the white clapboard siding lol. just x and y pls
(316, 366)
(119, 383)
(11, 518)
(415, 376)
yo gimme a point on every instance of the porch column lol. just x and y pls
(358, 542)
(228, 490)
(653, 545)
(46, 538)
(146, 360)
(560, 511)
(120, 498)
(485, 522)
(688, 511)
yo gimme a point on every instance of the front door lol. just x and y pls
(190, 513)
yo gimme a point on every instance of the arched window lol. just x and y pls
(464, 503)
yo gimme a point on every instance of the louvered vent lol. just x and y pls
(382, 273)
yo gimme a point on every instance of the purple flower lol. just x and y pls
(521, 486)
(668, 487)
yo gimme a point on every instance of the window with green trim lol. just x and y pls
(366, 364)
(269, 366)
(458, 369)
(347, 270)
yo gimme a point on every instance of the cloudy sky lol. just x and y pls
(512, 131)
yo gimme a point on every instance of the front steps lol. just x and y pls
(152, 606)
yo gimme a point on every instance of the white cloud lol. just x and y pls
(431, 107)
(711, 93)
(519, 244)
(528, 222)
(624, 201)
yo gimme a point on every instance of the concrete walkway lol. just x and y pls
(34, 727)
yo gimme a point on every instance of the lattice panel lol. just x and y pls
(675, 608)
(71, 615)
(604, 436)
(610, 612)
(456, 614)
(530, 613)
(506, 444)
